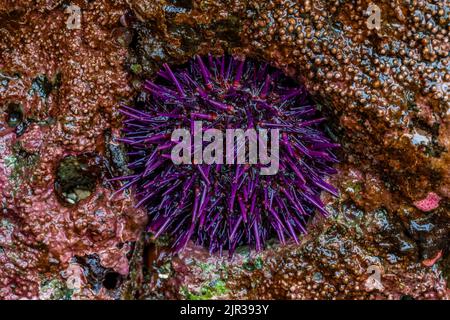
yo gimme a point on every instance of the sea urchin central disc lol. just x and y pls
(219, 205)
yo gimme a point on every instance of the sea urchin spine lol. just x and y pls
(223, 206)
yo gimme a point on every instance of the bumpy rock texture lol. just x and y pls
(385, 92)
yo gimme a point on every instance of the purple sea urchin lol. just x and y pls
(223, 206)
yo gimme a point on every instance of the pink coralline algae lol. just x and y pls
(223, 206)
(429, 203)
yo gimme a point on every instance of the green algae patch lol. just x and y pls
(214, 289)
(253, 264)
(54, 289)
(20, 162)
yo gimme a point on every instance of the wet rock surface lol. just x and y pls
(56, 202)
(384, 92)
(340, 258)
